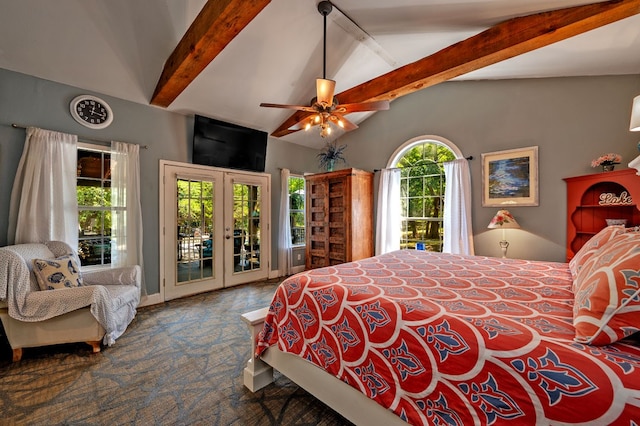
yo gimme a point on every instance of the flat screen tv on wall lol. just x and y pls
(220, 144)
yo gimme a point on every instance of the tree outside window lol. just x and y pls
(296, 209)
(94, 207)
(422, 185)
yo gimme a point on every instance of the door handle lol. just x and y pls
(227, 236)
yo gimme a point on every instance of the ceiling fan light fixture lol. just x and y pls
(325, 108)
(325, 130)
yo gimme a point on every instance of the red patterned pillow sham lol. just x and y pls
(607, 292)
(590, 247)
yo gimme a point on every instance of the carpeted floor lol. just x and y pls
(179, 363)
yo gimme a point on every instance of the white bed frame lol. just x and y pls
(346, 400)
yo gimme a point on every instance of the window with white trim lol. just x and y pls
(297, 210)
(94, 205)
(422, 185)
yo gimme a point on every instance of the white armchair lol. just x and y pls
(97, 312)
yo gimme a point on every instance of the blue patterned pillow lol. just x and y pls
(61, 272)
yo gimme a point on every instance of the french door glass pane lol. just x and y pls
(194, 213)
(246, 229)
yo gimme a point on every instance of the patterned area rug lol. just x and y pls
(178, 363)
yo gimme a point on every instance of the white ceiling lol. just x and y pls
(118, 48)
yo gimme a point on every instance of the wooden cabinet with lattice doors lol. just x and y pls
(339, 217)
(592, 199)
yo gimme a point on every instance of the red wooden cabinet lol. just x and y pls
(592, 199)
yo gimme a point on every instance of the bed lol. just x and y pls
(432, 338)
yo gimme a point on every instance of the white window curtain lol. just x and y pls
(458, 233)
(284, 239)
(126, 216)
(388, 222)
(44, 204)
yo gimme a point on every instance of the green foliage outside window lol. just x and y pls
(93, 192)
(91, 196)
(422, 186)
(296, 209)
(195, 205)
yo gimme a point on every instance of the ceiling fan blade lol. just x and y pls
(343, 122)
(364, 106)
(325, 89)
(296, 107)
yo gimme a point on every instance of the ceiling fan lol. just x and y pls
(325, 108)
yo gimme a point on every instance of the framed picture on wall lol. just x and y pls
(510, 177)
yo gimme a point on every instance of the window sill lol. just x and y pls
(90, 268)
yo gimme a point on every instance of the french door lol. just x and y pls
(215, 228)
(246, 230)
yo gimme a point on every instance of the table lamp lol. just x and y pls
(503, 220)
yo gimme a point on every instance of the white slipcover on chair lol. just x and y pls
(98, 311)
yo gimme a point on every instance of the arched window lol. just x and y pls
(422, 186)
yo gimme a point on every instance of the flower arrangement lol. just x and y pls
(330, 155)
(607, 160)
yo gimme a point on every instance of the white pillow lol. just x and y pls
(61, 272)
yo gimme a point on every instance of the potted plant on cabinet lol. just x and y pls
(331, 154)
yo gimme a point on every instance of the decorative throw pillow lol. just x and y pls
(61, 272)
(590, 247)
(607, 296)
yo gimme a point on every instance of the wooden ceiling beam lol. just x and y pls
(502, 41)
(216, 25)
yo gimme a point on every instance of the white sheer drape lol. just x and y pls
(284, 239)
(44, 205)
(126, 216)
(458, 233)
(388, 222)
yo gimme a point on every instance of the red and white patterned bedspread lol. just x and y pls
(456, 340)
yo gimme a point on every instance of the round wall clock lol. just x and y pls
(91, 111)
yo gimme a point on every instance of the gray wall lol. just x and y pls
(298, 160)
(35, 102)
(571, 120)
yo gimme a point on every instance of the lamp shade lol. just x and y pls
(324, 90)
(634, 126)
(503, 219)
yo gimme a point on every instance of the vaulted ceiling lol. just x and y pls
(221, 58)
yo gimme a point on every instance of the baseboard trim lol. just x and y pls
(297, 269)
(151, 299)
(157, 298)
(277, 273)
(274, 274)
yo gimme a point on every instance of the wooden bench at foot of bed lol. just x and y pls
(344, 399)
